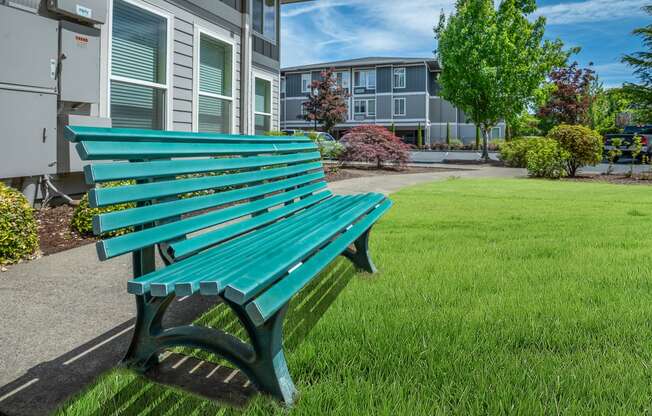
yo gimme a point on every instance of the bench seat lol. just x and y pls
(248, 219)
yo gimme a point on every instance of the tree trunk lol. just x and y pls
(485, 143)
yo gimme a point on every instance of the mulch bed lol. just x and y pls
(615, 179)
(54, 230)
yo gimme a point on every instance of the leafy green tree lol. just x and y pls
(494, 61)
(641, 93)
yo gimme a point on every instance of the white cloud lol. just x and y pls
(591, 11)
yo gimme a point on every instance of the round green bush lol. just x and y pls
(18, 230)
(547, 159)
(82, 218)
(514, 152)
(585, 146)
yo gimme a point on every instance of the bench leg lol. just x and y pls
(268, 371)
(361, 257)
(142, 352)
(263, 361)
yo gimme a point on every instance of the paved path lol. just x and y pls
(66, 318)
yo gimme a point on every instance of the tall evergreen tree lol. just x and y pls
(641, 93)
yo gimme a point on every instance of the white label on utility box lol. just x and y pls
(84, 12)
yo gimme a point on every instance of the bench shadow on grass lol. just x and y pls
(46, 387)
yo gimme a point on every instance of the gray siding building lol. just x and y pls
(186, 65)
(402, 92)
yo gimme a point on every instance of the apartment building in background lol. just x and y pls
(399, 92)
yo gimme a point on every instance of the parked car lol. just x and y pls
(627, 140)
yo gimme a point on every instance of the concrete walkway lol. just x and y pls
(67, 317)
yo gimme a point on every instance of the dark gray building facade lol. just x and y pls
(399, 92)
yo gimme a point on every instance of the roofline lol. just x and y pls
(348, 64)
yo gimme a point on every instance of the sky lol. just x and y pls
(330, 30)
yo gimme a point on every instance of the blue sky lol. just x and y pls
(327, 30)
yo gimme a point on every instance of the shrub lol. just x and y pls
(18, 231)
(514, 152)
(82, 218)
(547, 159)
(584, 145)
(374, 144)
(275, 133)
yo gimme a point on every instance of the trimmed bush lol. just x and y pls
(514, 152)
(375, 144)
(584, 146)
(18, 231)
(547, 159)
(82, 218)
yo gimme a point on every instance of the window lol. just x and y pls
(283, 85)
(263, 17)
(360, 107)
(365, 107)
(215, 85)
(139, 74)
(399, 106)
(342, 79)
(262, 106)
(371, 108)
(306, 81)
(495, 133)
(365, 79)
(399, 77)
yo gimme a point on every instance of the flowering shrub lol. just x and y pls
(374, 144)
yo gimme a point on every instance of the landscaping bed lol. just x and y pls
(493, 297)
(615, 179)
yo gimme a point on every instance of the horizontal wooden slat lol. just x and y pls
(261, 275)
(150, 213)
(165, 168)
(133, 241)
(82, 133)
(190, 267)
(268, 303)
(90, 150)
(210, 238)
(150, 191)
(246, 250)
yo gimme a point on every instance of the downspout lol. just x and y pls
(245, 67)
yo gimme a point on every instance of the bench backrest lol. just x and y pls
(182, 183)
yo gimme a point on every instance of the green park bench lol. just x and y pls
(245, 218)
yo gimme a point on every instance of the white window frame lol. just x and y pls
(366, 102)
(306, 88)
(355, 111)
(199, 31)
(402, 73)
(267, 77)
(369, 113)
(366, 84)
(167, 87)
(404, 106)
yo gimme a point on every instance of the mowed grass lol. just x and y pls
(494, 296)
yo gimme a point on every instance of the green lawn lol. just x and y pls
(494, 296)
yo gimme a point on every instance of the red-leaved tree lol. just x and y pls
(376, 144)
(570, 100)
(326, 103)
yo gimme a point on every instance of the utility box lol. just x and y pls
(28, 138)
(29, 49)
(90, 11)
(79, 75)
(67, 158)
